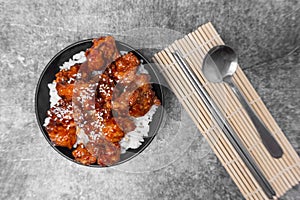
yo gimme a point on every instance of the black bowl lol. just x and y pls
(42, 103)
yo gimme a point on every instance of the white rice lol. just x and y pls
(132, 139)
(142, 70)
(135, 138)
(77, 58)
(54, 97)
(123, 52)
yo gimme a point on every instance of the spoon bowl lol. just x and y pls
(221, 63)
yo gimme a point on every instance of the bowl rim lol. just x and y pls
(40, 124)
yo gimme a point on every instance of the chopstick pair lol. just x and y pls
(225, 126)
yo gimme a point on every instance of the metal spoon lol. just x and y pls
(219, 65)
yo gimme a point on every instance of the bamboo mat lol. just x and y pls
(282, 173)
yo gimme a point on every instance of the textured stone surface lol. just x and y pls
(264, 33)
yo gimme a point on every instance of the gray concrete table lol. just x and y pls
(264, 33)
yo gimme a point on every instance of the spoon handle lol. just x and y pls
(268, 140)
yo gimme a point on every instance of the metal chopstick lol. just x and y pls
(227, 129)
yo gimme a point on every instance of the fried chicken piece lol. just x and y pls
(85, 98)
(65, 91)
(120, 104)
(103, 52)
(105, 88)
(123, 70)
(104, 94)
(61, 127)
(115, 129)
(65, 82)
(137, 99)
(124, 66)
(82, 155)
(126, 124)
(66, 75)
(84, 95)
(63, 137)
(142, 100)
(106, 152)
